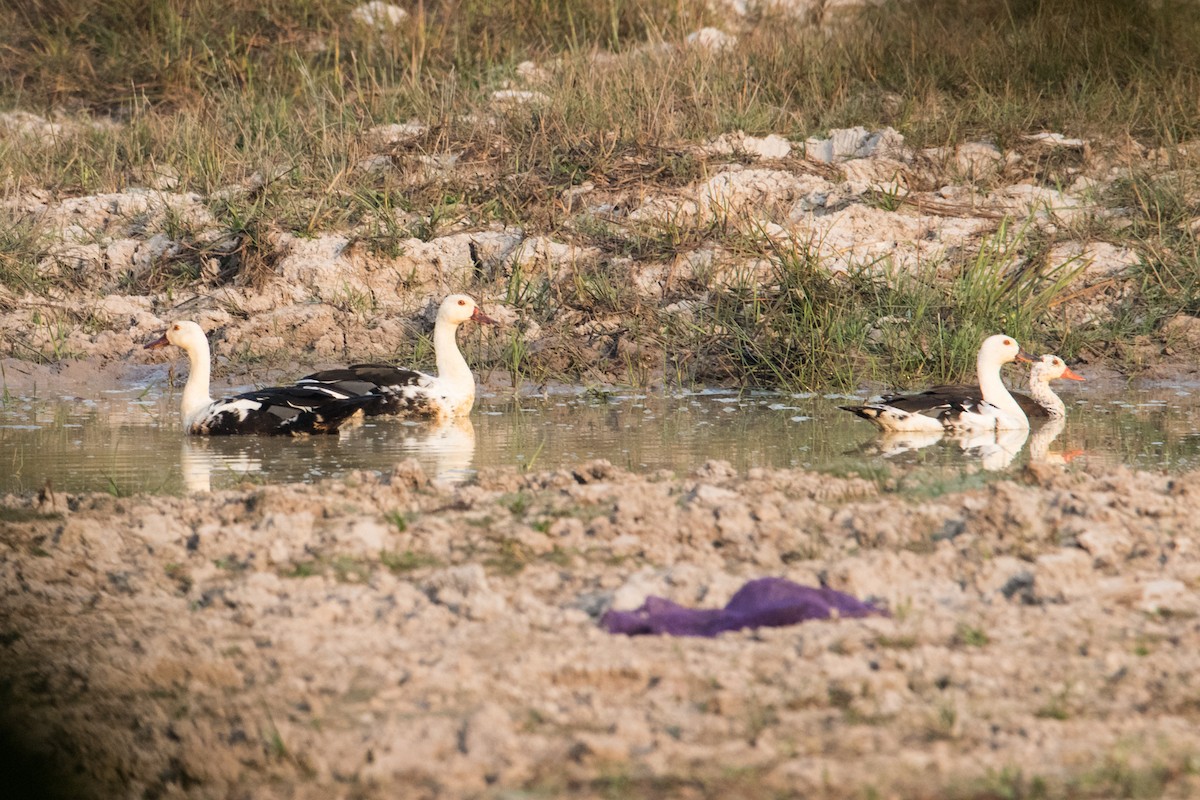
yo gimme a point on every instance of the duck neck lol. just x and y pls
(195, 392)
(995, 392)
(1045, 397)
(452, 367)
(1039, 443)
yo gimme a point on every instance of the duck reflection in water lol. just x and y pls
(204, 457)
(445, 451)
(1039, 445)
(995, 449)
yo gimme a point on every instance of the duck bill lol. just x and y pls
(1023, 356)
(157, 343)
(479, 316)
(1072, 375)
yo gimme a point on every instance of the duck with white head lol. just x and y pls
(276, 411)
(943, 407)
(406, 392)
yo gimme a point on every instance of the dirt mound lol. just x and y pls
(388, 635)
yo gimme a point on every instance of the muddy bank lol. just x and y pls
(384, 637)
(626, 287)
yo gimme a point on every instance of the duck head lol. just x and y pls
(1001, 349)
(181, 334)
(459, 308)
(1050, 367)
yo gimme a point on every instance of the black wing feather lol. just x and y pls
(940, 397)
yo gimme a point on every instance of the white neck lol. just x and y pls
(1039, 443)
(1044, 396)
(994, 391)
(452, 367)
(195, 392)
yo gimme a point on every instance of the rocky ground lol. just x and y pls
(387, 637)
(114, 268)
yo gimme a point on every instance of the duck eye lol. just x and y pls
(1007, 342)
(462, 302)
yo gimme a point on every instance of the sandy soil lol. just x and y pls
(388, 637)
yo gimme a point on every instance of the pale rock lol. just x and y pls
(863, 236)
(572, 196)
(711, 39)
(519, 97)
(998, 573)
(396, 132)
(542, 251)
(279, 552)
(134, 210)
(449, 262)
(160, 530)
(76, 258)
(465, 591)
(489, 742)
(729, 194)
(379, 15)
(531, 72)
(375, 164)
(878, 174)
(857, 142)
(1037, 201)
(1182, 327)
(769, 147)
(1047, 139)
(1095, 260)
(439, 163)
(372, 535)
(1063, 576)
(636, 588)
(976, 161)
(317, 265)
(26, 123)
(1165, 594)
(1108, 544)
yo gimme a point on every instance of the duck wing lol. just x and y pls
(279, 411)
(943, 397)
(396, 391)
(364, 378)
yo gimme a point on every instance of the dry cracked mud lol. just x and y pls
(386, 636)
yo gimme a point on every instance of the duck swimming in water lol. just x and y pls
(409, 393)
(276, 411)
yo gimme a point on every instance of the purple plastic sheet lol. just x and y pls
(764, 602)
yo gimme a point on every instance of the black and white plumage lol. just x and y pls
(987, 406)
(1040, 404)
(275, 411)
(409, 393)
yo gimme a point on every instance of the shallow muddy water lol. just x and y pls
(130, 441)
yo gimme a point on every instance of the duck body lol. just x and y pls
(275, 411)
(393, 391)
(987, 406)
(940, 398)
(400, 392)
(1040, 404)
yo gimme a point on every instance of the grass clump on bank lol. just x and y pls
(808, 328)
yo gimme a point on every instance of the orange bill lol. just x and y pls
(1072, 375)
(479, 316)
